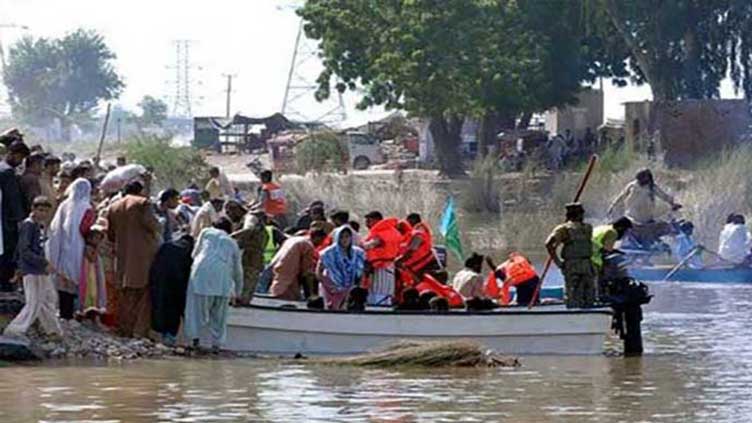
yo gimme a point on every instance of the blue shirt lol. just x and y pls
(217, 265)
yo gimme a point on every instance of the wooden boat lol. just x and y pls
(708, 275)
(278, 327)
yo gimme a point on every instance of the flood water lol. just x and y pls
(697, 368)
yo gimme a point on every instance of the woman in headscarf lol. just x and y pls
(65, 244)
(340, 268)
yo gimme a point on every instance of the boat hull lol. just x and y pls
(544, 330)
(719, 275)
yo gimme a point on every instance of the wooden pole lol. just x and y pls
(549, 261)
(103, 136)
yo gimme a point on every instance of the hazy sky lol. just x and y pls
(252, 39)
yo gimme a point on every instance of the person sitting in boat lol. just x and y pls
(735, 241)
(340, 268)
(517, 272)
(382, 247)
(684, 246)
(295, 263)
(417, 253)
(469, 281)
(639, 198)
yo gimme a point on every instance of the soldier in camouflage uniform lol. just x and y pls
(575, 237)
(252, 240)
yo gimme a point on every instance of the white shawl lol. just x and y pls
(65, 245)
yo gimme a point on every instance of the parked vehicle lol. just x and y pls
(364, 150)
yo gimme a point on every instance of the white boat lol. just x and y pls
(267, 327)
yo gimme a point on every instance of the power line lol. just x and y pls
(301, 88)
(183, 84)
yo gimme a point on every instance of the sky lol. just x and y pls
(251, 39)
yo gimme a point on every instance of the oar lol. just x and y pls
(684, 261)
(580, 190)
(719, 257)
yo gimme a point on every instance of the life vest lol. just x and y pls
(429, 283)
(423, 255)
(270, 249)
(391, 238)
(275, 203)
(579, 243)
(517, 270)
(404, 228)
(599, 234)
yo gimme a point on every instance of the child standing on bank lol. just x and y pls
(41, 297)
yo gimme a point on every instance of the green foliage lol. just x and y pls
(61, 78)
(153, 111)
(321, 152)
(683, 49)
(449, 59)
(615, 159)
(438, 59)
(173, 166)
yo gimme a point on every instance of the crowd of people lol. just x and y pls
(94, 243)
(84, 244)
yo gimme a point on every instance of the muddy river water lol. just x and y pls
(697, 368)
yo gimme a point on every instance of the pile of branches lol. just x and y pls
(428, 354)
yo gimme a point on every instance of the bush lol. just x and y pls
(173, 166)
(321, 152)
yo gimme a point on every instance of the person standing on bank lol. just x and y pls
(41, 299)
(216, 281)
(576, 239)
(135, 231)
(66, 244)
(13, 210)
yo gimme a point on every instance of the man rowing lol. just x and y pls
(639, 202)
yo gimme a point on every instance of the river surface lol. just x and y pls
(697, 368)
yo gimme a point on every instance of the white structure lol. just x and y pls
(265, 327)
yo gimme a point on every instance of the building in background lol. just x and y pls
(587, 113)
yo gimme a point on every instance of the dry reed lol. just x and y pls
(427, 354)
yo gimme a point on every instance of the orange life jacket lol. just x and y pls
(421, 257)
(404, 228)
(517, 270)
(275, 203)
(391, 238)
(429, 283)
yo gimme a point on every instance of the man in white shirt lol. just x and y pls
(735, 240)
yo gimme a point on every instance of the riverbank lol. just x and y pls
(83, 340)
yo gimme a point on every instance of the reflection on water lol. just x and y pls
(698, 367)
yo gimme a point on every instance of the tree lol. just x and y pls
(153, 111)
(682, 48)
(61, 79)
(440, 59)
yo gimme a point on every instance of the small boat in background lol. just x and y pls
(707, 275)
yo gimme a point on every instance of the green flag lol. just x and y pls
(451, 231)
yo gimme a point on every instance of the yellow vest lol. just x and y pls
(270, 249)
(599, 234)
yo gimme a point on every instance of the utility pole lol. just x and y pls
(228, 109)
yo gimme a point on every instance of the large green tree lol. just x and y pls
(682, 48)
(439, 59)
(63, 78)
